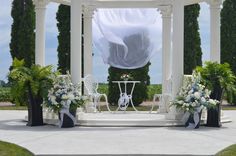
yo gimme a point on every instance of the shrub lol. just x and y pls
(5, 94)
(154, 89)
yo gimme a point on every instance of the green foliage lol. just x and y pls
(8, 149)
(140, 91)
(5, 94)
(228, 35)
(36, 79)
(154, 89)
(192, 40)
(229, 151)
(22, 45)
(220, 76)
(63, 25)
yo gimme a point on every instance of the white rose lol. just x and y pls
(194, 104)
(64, 97)
(203, 99)
(197, 95)
(187, 109)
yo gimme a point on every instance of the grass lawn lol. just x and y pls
(229, 107)
(13, 108)
(229, 151)
(8, 149)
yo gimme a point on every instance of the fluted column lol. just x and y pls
(177, 55)
(88, 39)
(40, 10)
(166, 12)
(215, 8)
(76, 35)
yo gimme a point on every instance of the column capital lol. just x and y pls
(88, 11)
(166, 10)
(215, 4)
(40, 3)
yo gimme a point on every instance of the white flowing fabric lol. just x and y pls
(125, 37)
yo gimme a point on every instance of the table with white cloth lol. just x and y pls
(125, 97)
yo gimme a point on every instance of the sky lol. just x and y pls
(99, 68)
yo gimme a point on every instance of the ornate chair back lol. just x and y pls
(91, 84)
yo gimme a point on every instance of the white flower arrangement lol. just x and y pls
(126, 77)
(194, 96)
(64, 94)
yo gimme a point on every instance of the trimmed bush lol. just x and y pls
(5, 94)
(140, 91)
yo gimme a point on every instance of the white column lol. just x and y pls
(76, 35)
(88, 45)
(40, 9)
(166, 56)
(178, 47)
(177, 54)
(215, 8)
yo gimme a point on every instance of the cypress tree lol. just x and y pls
(63, 18)
(228, 35)
(192, 41)
(22, 45)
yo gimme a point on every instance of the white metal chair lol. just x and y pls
(164, 98)
(155, 97)
(91, 86)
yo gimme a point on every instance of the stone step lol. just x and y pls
(124, 119)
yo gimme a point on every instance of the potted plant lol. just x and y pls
(33, 82)
(64, 98)
(192, 99)
(220, 79)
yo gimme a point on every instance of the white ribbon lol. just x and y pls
(67, 112)
(195, 118)
(123, 101)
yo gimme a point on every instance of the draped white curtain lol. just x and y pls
(125, 37)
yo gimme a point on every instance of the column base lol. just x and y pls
(174, 114)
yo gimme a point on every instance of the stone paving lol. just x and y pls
(51, 140)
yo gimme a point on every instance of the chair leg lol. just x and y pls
(106, 102)
(154, 101)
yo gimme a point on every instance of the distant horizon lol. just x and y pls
(100, 69)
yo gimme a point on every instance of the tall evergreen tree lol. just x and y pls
(228, 33)
(22, 45)
(192, 41)
(63, 18)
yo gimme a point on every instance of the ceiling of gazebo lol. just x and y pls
(128, 3)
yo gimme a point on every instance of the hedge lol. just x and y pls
(5, 95)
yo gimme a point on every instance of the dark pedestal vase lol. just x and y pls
(191, 120)
(35, 113)
(67, 121)
(214, 114)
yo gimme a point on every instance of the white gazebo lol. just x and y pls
(172, 12)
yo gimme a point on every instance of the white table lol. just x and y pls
(125, 98)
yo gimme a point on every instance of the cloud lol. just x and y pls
(204, 24)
